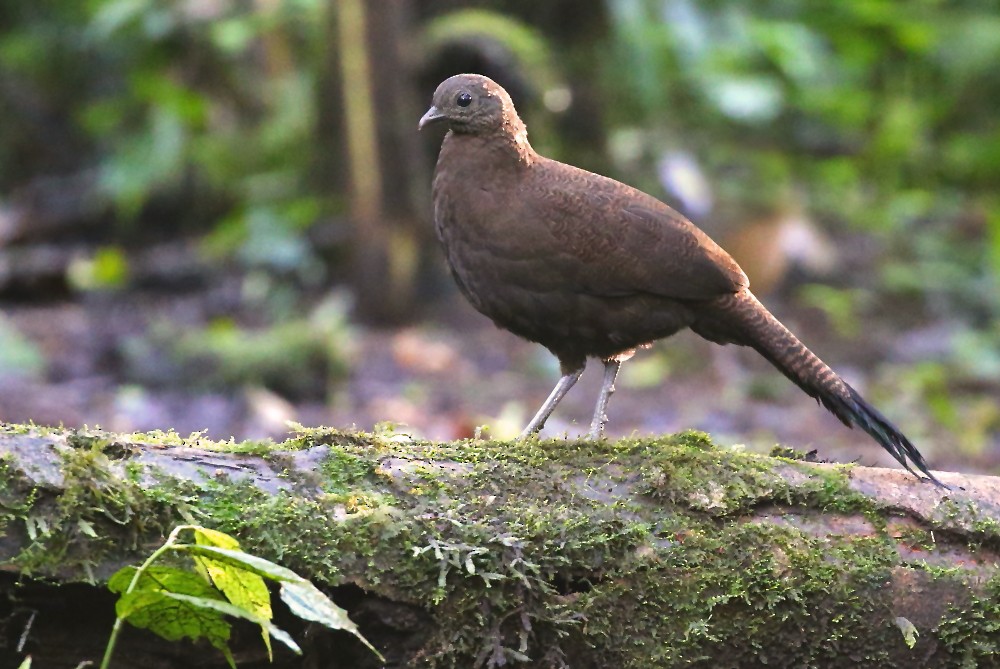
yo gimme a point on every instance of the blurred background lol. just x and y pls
(215, 214)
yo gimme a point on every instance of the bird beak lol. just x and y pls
(433, 114)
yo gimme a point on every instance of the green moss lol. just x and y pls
(914, 538)
(29, 428)
(325, 538)
(16, 496)
(343, 471)
(640, 551)
(971, 633)
(100, 513)
(703, 601)
(788, 453)
(688, 469)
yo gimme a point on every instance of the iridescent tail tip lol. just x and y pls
(871, 420)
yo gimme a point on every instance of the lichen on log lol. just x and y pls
(549, 553)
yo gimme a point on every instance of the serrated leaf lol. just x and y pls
(157, 577)
(240, 575)
(243, 588)
(171, 617)
(252, 563)
(223, 607)
(121, 579)
(309, 603)
(204, 536)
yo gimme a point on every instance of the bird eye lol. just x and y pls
(463, 100)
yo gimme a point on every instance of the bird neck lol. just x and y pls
(515, 133)
(507, 146)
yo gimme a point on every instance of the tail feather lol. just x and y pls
(741, 319)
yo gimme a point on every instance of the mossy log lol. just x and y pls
(638, 553)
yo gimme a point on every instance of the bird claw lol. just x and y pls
(597, 428)
(527, 433)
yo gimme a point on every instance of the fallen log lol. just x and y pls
(558, 553)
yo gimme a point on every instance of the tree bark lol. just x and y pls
(381, 155)
(638, 553)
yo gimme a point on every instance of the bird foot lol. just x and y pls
(528, 432)
(597, 429)
(611, 367)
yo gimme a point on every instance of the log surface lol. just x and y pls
(637, 553)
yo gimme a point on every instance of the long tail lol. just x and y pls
(742, 319)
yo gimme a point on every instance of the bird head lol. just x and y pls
(472, 104)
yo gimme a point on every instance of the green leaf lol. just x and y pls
(252, 563)
(26, 664)
(307, 602)
(173, 617)
(120, 579)
(239, 575)
(222, 607)
(303, 598)
(204, 536)
(241, 587)
(36, 526)
(175, 603)
(158, 578)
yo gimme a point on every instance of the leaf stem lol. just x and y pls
(116, 630)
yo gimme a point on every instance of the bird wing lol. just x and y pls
(686, 264)
(615, 240)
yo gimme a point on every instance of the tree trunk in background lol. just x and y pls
(382, 157)
(639, 553)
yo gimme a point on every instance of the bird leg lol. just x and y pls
(562, 387)
(611, 368)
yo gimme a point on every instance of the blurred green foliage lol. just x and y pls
(880, 116)
(212, 100)
(882, 113)
(527, 45)
(840, 305)
(297, 357)
(19, 357)
(107, 268)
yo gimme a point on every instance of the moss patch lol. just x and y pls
(635, 553)
(100, 515)
(972, 633)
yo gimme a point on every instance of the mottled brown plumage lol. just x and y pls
(590, 267)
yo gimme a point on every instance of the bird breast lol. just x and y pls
(511, 262)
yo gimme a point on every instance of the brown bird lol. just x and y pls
(590, 267)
